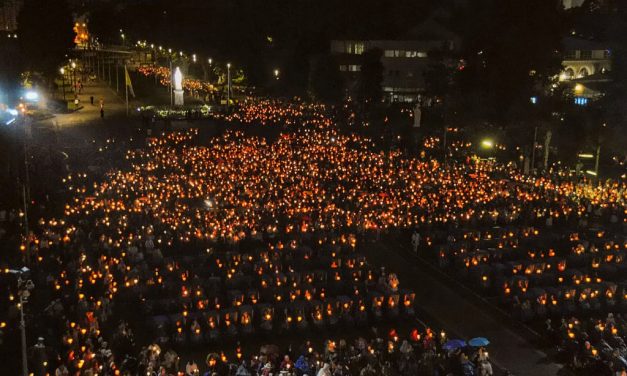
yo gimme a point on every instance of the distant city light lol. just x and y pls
(534, 100)
(581, 101)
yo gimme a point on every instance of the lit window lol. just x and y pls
(422, 54)
(343, 68)
(354, 68)
(389, 53)
(359, 48)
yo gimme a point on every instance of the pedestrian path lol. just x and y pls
(463, 316)
(113, 105)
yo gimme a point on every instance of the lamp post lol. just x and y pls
(73, 65)
(24, 287)
(228, 87)
(276, 74)
(171, 87)
(62, 71)
(533, 149)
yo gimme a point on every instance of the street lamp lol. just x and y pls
(228, 90)
(24, 288)
(73, 65)
(62, 71)
(276, 74)
(487, 144)
(194, 58)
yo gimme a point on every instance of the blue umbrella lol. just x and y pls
(454, 344)
(479, 342)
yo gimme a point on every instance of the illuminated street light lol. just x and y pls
(487, 143)
(62, 71)
(31, 96)
(228, 89)
(579, 88)
(210, 61)
(194, 58)
(276, 74)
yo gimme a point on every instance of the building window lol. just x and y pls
(421, 54)
(389, 53)
(585, 54)
(570, 55)
(354, 68)
(355, 48)
(359, 48)
(606, 54)
(343, 68)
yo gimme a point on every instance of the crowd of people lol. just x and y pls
(185, 244)
(383, 354)
(552, 252)
(192, 86)
(279, 112)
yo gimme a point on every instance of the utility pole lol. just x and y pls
(533, 149)
(24, 288)
(444, 142)
(26, 195)
(126, 86)
(228, 90)
(171, 88)
(596, 162)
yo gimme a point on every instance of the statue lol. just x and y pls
(178, 87)
(417, 115)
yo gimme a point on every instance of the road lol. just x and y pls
(461, 314)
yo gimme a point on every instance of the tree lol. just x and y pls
(45, 34)
(369, 89)
(325, 81)
(512, 48)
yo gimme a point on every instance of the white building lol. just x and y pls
(583, 58)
